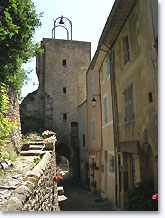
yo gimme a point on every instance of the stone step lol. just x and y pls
(36, 142)
(60, 190)
(36, 147)
(32, 153)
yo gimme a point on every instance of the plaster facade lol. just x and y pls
(94, 127)
(140, 131)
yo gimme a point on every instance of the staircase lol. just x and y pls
(35, 148)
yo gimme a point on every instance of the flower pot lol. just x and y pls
(48, 146)
(25, 147)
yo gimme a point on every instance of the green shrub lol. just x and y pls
(36, 160)
(140, 197)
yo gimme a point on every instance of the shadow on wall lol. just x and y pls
(31, 111)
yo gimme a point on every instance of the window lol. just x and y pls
(108, 65)
(93, 130)
(105, 110)
(111, 163)
(129, 109)
(150, 97)
(126, 51)
(64, 62)
(92, 88)
(64, 90)
(65, 116)
(83, 140)
(102, 73)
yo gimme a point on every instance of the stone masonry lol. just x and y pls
(61, 70)
(38, 192)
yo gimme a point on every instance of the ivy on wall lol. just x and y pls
(7, 123)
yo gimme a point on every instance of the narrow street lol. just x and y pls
(76, 198)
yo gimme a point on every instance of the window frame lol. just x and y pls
(129, 103)
(126, 49)
(108, 65)
(105, 109)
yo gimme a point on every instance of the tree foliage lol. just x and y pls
(18, 21)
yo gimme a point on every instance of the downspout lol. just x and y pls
(115, 120)
(101, 146)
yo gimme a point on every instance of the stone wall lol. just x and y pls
(38, 192)
(15, 137)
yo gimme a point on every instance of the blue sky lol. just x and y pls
(88, 19)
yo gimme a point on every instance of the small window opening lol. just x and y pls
(83, 140)
(64, 90)
(64, 62)
(64, 116)
(150, 97)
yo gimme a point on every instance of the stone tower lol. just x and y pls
(61, 71)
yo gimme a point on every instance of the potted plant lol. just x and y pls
(49, 142)
(48, 133)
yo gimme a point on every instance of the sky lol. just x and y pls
(88, 18)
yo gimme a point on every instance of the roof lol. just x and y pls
(117, 17)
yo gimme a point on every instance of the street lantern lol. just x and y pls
(94, 100)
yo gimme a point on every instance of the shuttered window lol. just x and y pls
(126, 51)
(102, 73)
(105, 110)
(93, 130)
(111, 163)
(108, 65)
(129, 108)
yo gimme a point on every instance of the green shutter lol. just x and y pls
(105, 110)
(93, 130)
(102, 73)
(108, 65)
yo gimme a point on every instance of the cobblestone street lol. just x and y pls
(76, 198)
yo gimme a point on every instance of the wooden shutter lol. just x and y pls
(129, 109)
(108, 65)
(102, 73)
(105, 110)
(126, 49)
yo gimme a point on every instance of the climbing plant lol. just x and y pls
(18, 21)
(7, 123)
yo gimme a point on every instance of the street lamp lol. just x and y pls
(94, 100)
(65, 23)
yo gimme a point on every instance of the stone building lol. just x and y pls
(61, 71)
(130, 38)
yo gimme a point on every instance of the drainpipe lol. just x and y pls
(101, 146)
(115, 120)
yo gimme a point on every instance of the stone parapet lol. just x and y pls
(38, 191)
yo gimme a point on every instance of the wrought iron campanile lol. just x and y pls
(65, 23)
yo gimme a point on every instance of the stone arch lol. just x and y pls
(147, 165)
(63, 150)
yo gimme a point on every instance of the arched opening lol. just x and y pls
(63, 157)
(147, 166)
(150, 166)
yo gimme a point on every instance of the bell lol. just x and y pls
(61, 20)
